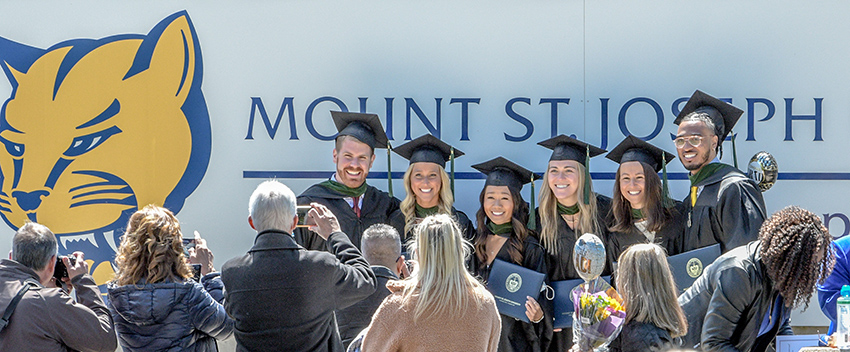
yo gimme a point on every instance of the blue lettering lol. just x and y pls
(271, 129)
(659, 117)
(828, 217)
(412, 106)
(529, 127)
(554, 111)
(363, 104)
(308, 117)
(817, 118)
(464, 114)
(389, 126)
(604, 102)
(751, 112)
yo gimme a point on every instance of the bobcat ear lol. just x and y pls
(170, 55)
(16, 58)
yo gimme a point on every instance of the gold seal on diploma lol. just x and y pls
(694, 268)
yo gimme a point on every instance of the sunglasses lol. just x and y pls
(694, 141)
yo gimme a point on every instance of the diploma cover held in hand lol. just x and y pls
(688, 267)
(510, 284)
(563, 303)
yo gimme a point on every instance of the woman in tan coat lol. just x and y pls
(441, 307)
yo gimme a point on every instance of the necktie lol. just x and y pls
(356, 206)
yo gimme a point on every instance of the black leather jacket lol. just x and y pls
(727, 304)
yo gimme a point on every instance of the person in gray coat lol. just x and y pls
(745, 298)
(283, 296)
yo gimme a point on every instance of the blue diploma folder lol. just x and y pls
(688, 267)
(510, 284)
(563, 302)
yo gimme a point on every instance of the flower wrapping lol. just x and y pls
(599, 315)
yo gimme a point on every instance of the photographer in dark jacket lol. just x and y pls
(744, 299)
(282, 296)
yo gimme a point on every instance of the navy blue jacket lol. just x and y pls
(170, 316)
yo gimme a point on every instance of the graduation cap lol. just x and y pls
(503, 172)
(365, 127)
(430, 149)
(635, 149)
(723, 114)
(568, 148)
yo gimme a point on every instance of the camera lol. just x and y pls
(61, 271)
(302, 211)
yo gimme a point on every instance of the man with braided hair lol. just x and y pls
(744, 299)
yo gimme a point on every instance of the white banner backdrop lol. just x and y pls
(491, 78)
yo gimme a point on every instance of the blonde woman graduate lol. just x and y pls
(568, 209)
(429, 189)
(502, 234)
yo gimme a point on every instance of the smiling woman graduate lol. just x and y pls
(568, 209)
(502, 234)
(427, 185)
(641, 210)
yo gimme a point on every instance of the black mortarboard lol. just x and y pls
(427, 148)
(568, 148)
(635, 149)
(723, 114)
(365, 127)
(503, 172)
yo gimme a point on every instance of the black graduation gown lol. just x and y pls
(668, 237)
(729, 210)
(376, 209)
(516, 335)
(397, 220)
(561, 268)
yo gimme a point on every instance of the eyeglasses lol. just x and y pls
(694, 141)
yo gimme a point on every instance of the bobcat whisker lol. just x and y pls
(130, 200)
(125, 190)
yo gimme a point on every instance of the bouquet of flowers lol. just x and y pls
(598, 317)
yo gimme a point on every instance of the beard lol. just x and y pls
(703, 160)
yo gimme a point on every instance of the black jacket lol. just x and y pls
(354, 319)
(641, 337)
(377, 208)
(282, 296)
(729, 210)
(727, 304)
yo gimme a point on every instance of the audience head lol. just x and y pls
(441, 276)
(272, 207)
(646, 284)
(34, 246)
(151, 248)
(381, 245)
(796, 249)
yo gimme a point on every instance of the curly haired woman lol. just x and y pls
(154, 302)
(743, 300)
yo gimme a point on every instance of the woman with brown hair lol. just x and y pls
(155, 304)
(653, 316)
(641, 209)
(502, 234)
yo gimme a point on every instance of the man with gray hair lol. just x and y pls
(283, 296)
(38, 315)
(381, 245)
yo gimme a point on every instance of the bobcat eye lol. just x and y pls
(84, 144)
(14, 149)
